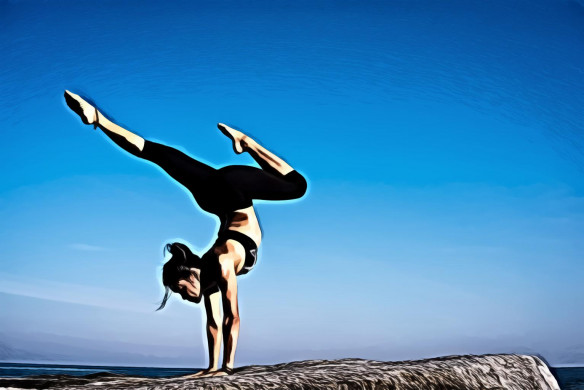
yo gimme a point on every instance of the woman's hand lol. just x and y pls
(220, 372)
(202, 373)
(209, 372)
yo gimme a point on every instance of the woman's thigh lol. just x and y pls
(181, 167)
(257, 183)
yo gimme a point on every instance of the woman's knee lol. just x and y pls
(300, 184)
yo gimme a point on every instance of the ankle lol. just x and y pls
(96, 120)
(247, 143)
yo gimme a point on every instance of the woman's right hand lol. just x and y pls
(202, 373)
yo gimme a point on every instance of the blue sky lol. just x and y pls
(442, 144)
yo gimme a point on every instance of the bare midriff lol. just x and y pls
(244, 221)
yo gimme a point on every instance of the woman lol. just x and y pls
(228, 193)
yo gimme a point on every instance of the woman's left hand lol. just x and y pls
(207, 374)
(217, 373)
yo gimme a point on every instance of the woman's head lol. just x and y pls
(181, 273)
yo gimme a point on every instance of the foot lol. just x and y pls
(86, 111)
(238, 138)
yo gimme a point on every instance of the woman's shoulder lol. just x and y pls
(209, 260)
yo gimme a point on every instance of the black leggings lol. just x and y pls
(230, 188)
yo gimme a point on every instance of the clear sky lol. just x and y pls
(442, 141)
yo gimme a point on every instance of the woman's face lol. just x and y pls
(189, 289)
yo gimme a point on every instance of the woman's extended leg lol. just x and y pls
(184, 169)
(89, 114)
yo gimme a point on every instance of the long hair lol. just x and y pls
(178, 267)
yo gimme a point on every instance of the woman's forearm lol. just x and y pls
(231, 332)
(214, 334)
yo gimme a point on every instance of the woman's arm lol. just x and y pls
(214, 331)
(228, 286)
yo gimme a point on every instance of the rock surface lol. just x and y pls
(492, 372)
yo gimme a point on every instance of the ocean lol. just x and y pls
(25, 369)
(569, 378)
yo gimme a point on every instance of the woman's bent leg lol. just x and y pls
(267, 160)
(255, 183)
(276, 181)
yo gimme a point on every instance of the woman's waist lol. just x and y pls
(243, 238)
(243, 221)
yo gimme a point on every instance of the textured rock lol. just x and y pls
(492, 372)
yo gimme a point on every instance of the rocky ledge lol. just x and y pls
(493, 372)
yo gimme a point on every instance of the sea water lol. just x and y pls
(26, 369)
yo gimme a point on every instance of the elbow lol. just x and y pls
(212, 324)
(298, 184)
(301, 186)
(231, 320)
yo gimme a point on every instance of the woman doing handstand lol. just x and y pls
(227, 192)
